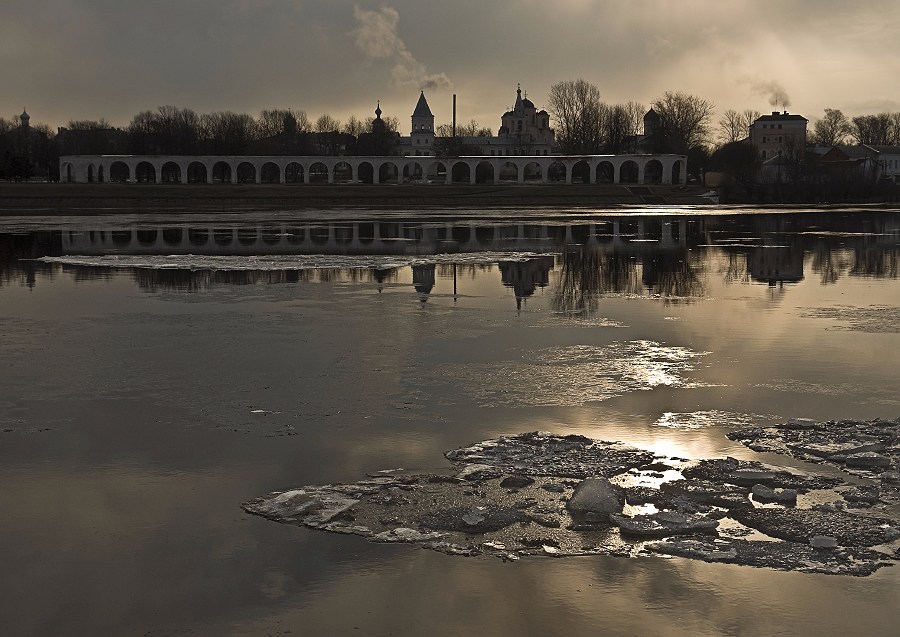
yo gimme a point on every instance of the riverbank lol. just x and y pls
(91, 199)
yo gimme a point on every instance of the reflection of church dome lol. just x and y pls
(423, 280)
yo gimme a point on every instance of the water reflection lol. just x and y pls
(670, 258)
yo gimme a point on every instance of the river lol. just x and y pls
(159, 372)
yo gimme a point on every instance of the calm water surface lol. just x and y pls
(156, 375)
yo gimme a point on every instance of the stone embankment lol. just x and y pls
(543, 494)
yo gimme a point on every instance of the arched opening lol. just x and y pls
(118, 172)
(653, 172)
(436, 173)
(365, 173)
(295, 235)
(460, 173)
(270, 173)
(412, 173)
(172, 236)
(556, 172)
(145, 173)
(90, 176)
(388, 173)
(196, 173)
(170, 173)
(676, 172)
(484, 173)
(343, 233)
(533, 172)
(605, 173)
(484, 234)
(146, 237)
(221, 173)
(508, 173)
(198, 236)
(247, 236)
(581, 172)
(628, 173)
(319, 234)
(67, 173)
(100, 175)
(271, 235)
(293, 173)
(365, 232)
(389, 231)
(223, 236)
(121, 237)
(461, 234)
(318, 173)
(343, 173)
(246, 173)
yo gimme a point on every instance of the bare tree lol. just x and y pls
(177, 130)
(833, 129)
(354, 127)
(895, 129)
(271, 122)
(683, 122)
(326, 124)
(735, 126)
(470, 129)
(226, 133)
(617, 127)
(391, 124)
(634, 111)
(578, 114)
(874, 130)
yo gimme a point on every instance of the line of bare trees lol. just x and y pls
(584, 124)
(836, 129)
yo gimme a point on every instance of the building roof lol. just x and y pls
(422, 109)
(781, 117)
(890, 150)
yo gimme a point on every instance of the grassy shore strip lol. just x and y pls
(82, 199)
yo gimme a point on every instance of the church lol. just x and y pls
(524, 130)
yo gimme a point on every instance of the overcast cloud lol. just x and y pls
(86, 59)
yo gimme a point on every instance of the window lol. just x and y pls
(779, 126)
(779, 138)
(765, 140)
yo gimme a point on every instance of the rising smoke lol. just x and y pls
(771, 89)
(376, 36)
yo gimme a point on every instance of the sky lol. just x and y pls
(91, 59)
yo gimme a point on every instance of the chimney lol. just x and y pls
(454, 115)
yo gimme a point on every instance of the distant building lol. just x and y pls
(888, 162)
(779, 134)
(524, 130)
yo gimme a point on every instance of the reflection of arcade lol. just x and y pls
(524, 277)
(389, 238)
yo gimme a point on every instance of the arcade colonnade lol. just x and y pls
(210, 169)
